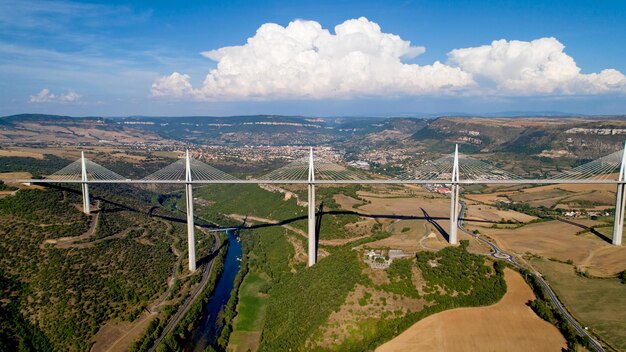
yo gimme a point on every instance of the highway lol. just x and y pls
(496, 252)
(182, 310)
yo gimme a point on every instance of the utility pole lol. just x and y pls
(620, 198)
(84, 186)
(454, 198)
(191, 240)
(312, 239)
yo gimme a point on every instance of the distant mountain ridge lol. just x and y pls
(544, 136)
(549, 136)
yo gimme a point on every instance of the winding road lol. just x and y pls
(184, 308)
(496, 252)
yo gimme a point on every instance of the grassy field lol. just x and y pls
(250, 313)
(597, 303)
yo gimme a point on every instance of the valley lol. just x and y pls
(117, 279)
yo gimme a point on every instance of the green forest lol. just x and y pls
(57, 298)
(301, 302)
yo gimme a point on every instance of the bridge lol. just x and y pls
(453, 170)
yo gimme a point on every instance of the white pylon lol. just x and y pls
(191, 238)
(620, 198)
(312, 239)
(454, 198)
(85, 188)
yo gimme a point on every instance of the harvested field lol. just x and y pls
(551, 195)
(526, 197)
(577, 207)
(407, 240)
(488, 198)
(576, 188)
(508, 325)
(437, 207)
(548, 202)
(426, 237)
(489, 213)
(556, 239)
(21, 154)
(606, 261)
(8, 176)
(346, 202)
(600, 197)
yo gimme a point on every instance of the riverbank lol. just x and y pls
(208, 331)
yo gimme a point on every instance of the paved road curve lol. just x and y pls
(499, 254)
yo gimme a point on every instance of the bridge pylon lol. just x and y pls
(620, 199)
(454, 198)
(311, 219)
(84, 186)
(191, 237)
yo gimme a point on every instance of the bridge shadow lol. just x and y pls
(203, 223)
(318, 224)
(210, 256)
(436, 225)
(321, 213)
(588, 228)
(123, 207)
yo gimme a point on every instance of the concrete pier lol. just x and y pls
(191, 237)
(312, 236)
(620, 198)
(454, 199)
(84, 186)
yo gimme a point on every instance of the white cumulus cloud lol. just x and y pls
(175, 85)
(43, 96)
(536, 67)
(305, 61)
(46, 96)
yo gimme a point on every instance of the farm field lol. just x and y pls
(491, 214)
(15, 175)
(507, 325)
(21, 153)
(560, 195)
(251, 308)
(597, 303)
(414, 233)
(556, 239)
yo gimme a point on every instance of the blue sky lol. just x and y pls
(121, 58)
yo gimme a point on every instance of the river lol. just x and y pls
(208, 332)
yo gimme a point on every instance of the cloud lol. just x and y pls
(46, 96)
(175, 85)
(305, 61)
(536, 67)
(70, 97)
